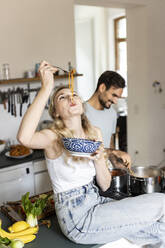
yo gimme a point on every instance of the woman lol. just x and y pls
(85, 216)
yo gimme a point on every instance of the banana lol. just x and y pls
(18, 226)
(28, 231)
(27, 238)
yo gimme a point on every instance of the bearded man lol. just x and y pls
(101, 114)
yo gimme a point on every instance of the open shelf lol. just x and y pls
(31, 80)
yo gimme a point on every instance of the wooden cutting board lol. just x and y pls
(11, 213)
(13, 210)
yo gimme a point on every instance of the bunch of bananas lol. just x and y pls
(20, 230)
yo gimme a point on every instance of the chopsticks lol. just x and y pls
(60, 69)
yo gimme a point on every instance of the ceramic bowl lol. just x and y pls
(76, 145)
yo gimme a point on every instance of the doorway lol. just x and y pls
(96, 32)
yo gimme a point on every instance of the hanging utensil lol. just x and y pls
(12, 103)
(29, 95)
(24, 98)
(8, 94)
(4, 99)
(15, 110)
(20, 102)
(19, 99)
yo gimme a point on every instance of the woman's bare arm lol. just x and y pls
(27, 134)
(103, 176)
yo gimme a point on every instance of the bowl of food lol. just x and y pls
(80, 147)
(2, 145)
(18, 151)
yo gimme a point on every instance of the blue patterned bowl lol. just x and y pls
(80, 145)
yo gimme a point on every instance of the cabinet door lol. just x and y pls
(16, 181)
(42, 182)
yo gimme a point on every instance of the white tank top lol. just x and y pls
(71, 174)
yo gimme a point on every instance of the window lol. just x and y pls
(120, 44)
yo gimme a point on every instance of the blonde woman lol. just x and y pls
(84, 216)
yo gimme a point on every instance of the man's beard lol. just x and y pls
(103, 104)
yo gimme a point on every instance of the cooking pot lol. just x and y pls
(119, 185)
(119, 181)
(145, 180)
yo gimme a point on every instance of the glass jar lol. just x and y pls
(6, 71)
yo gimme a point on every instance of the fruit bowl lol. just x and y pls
(80, 147)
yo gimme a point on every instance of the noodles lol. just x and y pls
(71, 81)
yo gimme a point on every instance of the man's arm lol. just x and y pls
(112, 142)
(119, 159)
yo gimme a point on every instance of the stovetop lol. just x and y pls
(116, 195)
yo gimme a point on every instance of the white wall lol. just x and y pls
(30, 32)
(98, 16)
(85, 57)
(146, 109)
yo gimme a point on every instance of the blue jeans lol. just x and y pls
(85, 217)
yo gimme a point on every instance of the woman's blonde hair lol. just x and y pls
(59, 127)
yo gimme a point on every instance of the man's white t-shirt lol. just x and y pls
(105, 119)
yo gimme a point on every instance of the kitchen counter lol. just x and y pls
(53, 237)
(48, 237)
(6, 161)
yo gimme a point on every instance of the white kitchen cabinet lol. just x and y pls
(42, 182)
(16, 181)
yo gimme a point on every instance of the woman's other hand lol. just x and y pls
(103, 176)
(98, 154)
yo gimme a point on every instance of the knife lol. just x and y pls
(15, 111)
(12, 104)
(8, 100)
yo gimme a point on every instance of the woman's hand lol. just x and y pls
(98, 154)
(27, 134)
(46, 72)
(103, 176)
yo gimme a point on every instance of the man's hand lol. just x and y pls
(119, 158)
(124, 156)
